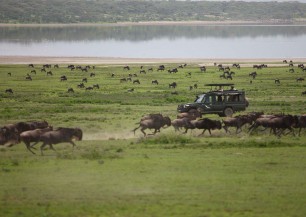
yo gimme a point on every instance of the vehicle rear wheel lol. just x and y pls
(228, 112)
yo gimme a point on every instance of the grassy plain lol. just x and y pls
(116, 173)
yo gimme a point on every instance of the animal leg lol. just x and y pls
(73, 144)
(51, 147)
(142, 130)
(136, 129)
(42, 147)
(29, 147)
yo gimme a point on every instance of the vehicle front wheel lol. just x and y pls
(228, 112)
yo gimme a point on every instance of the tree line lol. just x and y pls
(112, 11)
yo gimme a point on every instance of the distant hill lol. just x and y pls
(110, 11)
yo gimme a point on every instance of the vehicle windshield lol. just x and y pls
(199, 99)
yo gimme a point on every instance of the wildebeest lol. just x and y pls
(49, 73)
(205, 124)
(181, 123)
(89, 88)
(136, 81)
(10, 90)
(24, 126)
(303, 93)
(161, 68)
(9, 73)
(173, 85)
(301, 122)
(300, 79)
(70, 90)
(203, 69)
(277, 81)
(237, 122)
(153, 121)
(28, 77)
(63, 78)
(31, 65)
(33, 136)
(192, 114)
(154, 82)
(253, 74)
(84, 80)
(96, 86)
(126, 68)
(280, 122)
(60, 135)
(8, 137)
(81, 85)
(33, 71)
(92, 74)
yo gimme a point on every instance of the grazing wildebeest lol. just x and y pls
(150, 69)
(142, 71)
(113, 75)
(70, 90)
(84, 80)
(63, 78)
(303, 93)
(300, 79)
(131, 90)
(277, 81)
(195, 86)
(56, 66)
(96, 86)
(33, 71)
(49, 73)
(203, 69)
(60, 135)
(174, 70)
(173, 85)
(42, 70)
(154, 82)
(89, 88)
(10, 90)
(31, 65)
(28, 77)
(154, 122)
(161, 68)
(33, 136)
(81, 85)
(285, 61)
(291, 70)
(136, 81)
(126, 68)
(253, 74)
(123, 80)
(92, 74)
(9, 73)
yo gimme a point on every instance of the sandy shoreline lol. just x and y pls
(117, 60)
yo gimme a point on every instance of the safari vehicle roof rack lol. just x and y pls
(221, 85)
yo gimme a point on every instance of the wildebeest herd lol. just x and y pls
(31, 133)
(279, 124)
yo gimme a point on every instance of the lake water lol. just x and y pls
(153, 41)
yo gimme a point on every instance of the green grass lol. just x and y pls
(116, 173)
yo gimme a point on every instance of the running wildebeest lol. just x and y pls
(60, 135)
(33, 136)
(153, 121)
